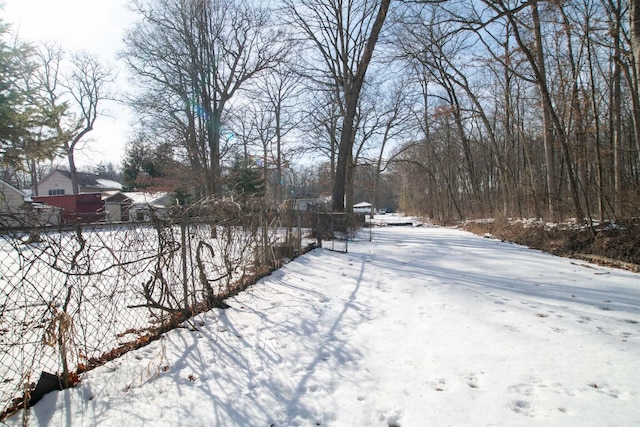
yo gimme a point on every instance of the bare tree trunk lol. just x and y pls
(34, 177)
(278, 192)
(616, 112)
(73, 172)
(634, 18)
(632, 73)
(552, 201)
(352, 97)
(551, 122)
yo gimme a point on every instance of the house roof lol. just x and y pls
(92, 180)
(152, 199)
(362, 205)
(115, 196)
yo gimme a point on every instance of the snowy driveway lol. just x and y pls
(420, 327)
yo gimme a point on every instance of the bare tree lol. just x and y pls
(384, 117)
(280, 91)
(321, 129)
(190, 59)
(507, 74)
(268, 118)
(75, 88)
(343, 35)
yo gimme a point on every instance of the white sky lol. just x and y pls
(96, 26)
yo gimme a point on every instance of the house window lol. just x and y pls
(56, 192)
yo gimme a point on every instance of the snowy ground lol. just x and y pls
(422, 326)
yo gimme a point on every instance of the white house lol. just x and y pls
(15, 212)
(58, 182)
(10, 197)
(11, 200)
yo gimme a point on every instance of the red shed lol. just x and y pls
(77, 208)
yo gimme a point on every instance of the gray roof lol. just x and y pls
(92, 180)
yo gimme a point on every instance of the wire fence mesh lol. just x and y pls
(74, 297)
(335, 229)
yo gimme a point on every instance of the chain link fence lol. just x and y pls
(335, 229)
(74, 297)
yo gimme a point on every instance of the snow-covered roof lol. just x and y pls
(88, 180)
(108, 183)
(142, 198)
(362, 205)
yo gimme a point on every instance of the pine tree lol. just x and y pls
(245, 179)
(27, 132)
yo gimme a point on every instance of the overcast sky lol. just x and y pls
(96, 26)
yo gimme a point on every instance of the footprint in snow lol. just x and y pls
(392, 420)
(471, 380)
(523, 389)
(606, 389)
(439, 384)
(521, 407)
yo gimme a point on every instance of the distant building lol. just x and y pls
(10, 197)
(11, 200)
(81, 208)
(58, 183)
(116, 206)
(144, 206)
(362, 207)
(16, 212)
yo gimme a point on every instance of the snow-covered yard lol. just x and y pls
(421, 326)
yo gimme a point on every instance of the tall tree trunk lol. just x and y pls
(213, 138)
(634, 18)
(596, 131)
(552, 201)
(352, 97)
(278, 154)
(632, 73)
(616, 112)
(34, 176)
(551, 123)
(73, 171)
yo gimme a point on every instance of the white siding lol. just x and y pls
(10, 198)
(55, 181)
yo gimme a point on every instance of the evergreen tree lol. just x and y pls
(27, 125)
(140, 161)
(245, 179)
(108, 170)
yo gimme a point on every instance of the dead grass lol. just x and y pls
(616, 245)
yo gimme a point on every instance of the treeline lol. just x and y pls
(530, 110)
